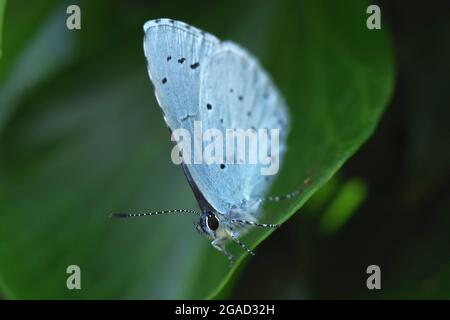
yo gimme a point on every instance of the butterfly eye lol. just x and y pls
(212, 222)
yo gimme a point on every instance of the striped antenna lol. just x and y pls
(243, 246)
(290, 195)
(145, 214)
(252, 223)
(283, 197)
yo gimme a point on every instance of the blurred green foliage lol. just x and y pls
(2, 10)
(350, 197)
(81, 136)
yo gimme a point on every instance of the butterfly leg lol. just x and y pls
(219, 245)
(243, 246)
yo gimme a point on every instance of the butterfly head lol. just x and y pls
(209, 224)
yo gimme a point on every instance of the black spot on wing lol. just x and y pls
(221, 120)
(222, 166)
(169, 58)
(241, 98)
(208, 106)
(195, 65)
(281, 122)
(181, 60)
(164, 80)
(249, 114)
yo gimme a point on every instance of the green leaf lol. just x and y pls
(2, 12)
(91, 140)
(32, 34)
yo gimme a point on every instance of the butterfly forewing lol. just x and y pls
(174, 53)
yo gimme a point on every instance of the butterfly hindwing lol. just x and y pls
(236, 93)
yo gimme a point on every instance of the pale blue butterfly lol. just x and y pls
(198, 77)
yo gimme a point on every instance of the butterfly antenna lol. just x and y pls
(283, 197)
(252, 223)
(243, 246)
(290, 195)
(145, 214)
